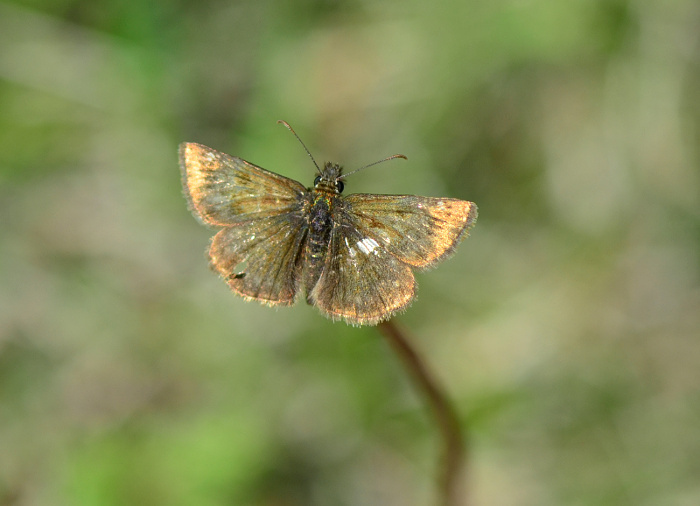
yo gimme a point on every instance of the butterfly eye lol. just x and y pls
(339, 186)
(317, 180)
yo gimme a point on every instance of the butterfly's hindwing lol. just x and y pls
(261, 259)
(361, 281)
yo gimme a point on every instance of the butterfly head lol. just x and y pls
(329, 179)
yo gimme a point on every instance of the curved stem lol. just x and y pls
(445, 415)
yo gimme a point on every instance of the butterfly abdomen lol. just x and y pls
(320, 221)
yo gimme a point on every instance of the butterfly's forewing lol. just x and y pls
(420, 231)
(258, 250)
(361, 281)
(224, 190)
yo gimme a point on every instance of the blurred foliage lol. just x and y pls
(567, 327)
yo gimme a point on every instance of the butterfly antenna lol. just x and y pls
(302, 143)
(375, 163)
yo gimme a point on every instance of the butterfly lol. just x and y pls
(351, 256)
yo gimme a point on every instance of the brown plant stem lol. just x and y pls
(443, 411)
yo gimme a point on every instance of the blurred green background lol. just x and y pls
(566, 328)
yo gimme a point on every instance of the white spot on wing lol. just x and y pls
(367, 245)
(350, 250)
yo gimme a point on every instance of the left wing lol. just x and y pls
(224, 190)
